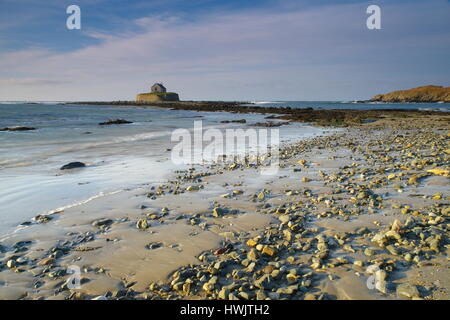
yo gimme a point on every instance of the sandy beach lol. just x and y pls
(360, 213)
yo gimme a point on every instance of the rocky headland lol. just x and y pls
(420, 94)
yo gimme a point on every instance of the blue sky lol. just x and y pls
(221, 49)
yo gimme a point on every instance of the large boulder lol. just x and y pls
(17, 129)
(73, 165)
(115, 121)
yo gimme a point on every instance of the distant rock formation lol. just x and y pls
(73, 165)
(158, 94)
(17, 129)
(420, 94)
(114, 121)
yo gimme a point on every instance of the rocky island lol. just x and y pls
(419, 94)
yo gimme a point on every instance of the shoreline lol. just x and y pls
(320, 117)
(288, 236)
(116, 157)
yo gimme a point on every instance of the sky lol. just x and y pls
(253, 50)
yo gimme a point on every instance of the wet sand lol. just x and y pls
(356, 205)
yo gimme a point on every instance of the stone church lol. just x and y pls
(158, 88)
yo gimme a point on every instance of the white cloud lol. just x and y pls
(33, 81)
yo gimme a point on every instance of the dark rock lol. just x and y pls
(73, 165)
(102, 222)
(234, 121)
(21, 244)
(154, 245)
(224, 249)
(42, 218)
(17, 129)
(270, 124)
(115, 121)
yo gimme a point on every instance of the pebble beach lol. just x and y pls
(359, 213)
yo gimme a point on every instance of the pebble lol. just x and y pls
(218, 212)
(407, 290)
(142, 224)
(369, 252)
(251, 243)
(358, 263)
(11, 264)
(392, 250)
(252, 255)
(261, 295)
(224, 293)
(46, 261)
(102, 223)
(269, 251)
(42, 218)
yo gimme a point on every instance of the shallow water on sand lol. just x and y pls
(118, 157)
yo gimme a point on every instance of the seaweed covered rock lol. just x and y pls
(73, 165)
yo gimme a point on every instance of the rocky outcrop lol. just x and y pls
(322, 117)
(157, 97)
(420, 94)
(73, 165)
(234, 121)
(17, 129)
(114, 121)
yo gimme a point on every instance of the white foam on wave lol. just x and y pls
(23, 162)
(79, 203)
(31, 102)
(69, 206)
(20, 162)
(267, 102)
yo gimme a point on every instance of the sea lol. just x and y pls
(118, 157)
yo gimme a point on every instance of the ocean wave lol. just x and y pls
(435, 109)
(69, 206)
(12, 102)
(32, 102)
(28, 161)
(267, 102)
(133, 138)
(79, 203)
(22, 162)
